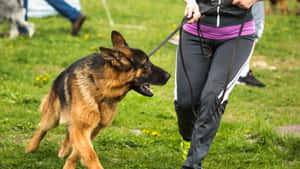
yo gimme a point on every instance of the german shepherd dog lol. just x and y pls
(85, 97)
(13, 12)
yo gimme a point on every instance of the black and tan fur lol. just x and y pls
(85, 97)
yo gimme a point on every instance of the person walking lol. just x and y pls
(207, 68)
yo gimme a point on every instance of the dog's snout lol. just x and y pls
(167, 76)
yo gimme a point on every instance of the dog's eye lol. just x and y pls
(147, 65)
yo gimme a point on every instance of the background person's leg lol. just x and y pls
(70, 13)
(65, 9)
(258, 14)
(23, 30)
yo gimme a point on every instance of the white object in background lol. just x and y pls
(40, 8)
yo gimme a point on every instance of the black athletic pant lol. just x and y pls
(208, 76)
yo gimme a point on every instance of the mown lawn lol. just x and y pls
(246, 139)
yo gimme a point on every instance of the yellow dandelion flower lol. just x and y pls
(10, 46)
(44, 79)
(154, 133)
(267, 25)
(146, 131)
(247, 131)
(93, 48)
(47, 74)
(173, 26)
(100, 35)
(158, 135)
(41, 76)
(37, 78)
(86, 36)
(217, 134)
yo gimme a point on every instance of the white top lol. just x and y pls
(40, 8)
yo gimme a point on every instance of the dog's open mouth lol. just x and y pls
(144, 89)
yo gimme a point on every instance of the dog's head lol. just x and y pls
(124, 58)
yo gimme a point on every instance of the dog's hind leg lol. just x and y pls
(50, 119)
(65, 147)
(13, 32)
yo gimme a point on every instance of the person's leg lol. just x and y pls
(21, 29)
(70, 13)
(246, 70)
(65, 9)
(258, 14)
(206, 125)
(197, 67)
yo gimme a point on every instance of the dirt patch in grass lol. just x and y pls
(262, 62)
(259, 62)
(290, 129)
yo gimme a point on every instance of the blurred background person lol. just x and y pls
(247, 77)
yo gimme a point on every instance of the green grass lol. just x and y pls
(246, 138)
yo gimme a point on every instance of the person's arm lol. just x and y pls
(192, 10)
(246, 4)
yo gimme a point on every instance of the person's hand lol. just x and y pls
(192, 11)
(245, 4)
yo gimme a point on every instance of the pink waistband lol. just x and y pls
(227, 32)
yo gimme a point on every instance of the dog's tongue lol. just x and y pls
(147, 87)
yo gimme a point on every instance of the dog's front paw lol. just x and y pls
(64, 150)
(31, 29)
(62, 153)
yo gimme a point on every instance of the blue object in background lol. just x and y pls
(22, 29)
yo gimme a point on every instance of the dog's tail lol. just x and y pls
(50, 103)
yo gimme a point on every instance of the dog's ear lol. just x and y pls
(115, 57)
(108, 54)
(117, 40)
